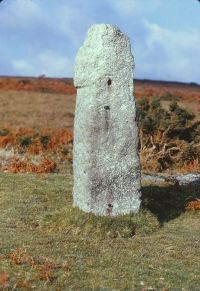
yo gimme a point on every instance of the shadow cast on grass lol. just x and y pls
(168, 202)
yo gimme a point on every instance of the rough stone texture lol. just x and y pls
(182, 179)
(106, 163)
(191, 178)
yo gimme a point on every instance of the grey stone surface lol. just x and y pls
(154, 179)
(182, 179)
(191, 178)
(105, 153)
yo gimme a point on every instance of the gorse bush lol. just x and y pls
(179, 116)
(191, 153)
(167, 96)
(152, 117)
(195, 134)
(168, 137)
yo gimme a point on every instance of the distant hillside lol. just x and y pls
(143, 88)
(40, 84)
(27, 99)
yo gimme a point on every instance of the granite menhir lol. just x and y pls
(106, 164)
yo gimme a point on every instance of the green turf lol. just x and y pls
(46, 244)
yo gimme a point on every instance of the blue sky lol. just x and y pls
(43, 36)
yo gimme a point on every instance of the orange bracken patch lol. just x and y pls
(193, 205)
(25, 166)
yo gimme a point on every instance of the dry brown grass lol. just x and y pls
(41, 84)
(35, 109)
(46, 244)
(40, 102)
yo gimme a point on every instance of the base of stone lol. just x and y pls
(116, 208)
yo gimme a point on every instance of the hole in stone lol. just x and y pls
(107, 107)
(109, 82)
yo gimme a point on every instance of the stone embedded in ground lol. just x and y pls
(105, 154)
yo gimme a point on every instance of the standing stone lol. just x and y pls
(105, 154)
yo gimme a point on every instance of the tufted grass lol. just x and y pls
(46, 244)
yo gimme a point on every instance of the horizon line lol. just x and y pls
(43, 76)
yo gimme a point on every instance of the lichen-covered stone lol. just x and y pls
(105, 154)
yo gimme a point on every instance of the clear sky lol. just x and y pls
(42, 36)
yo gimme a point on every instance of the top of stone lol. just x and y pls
(103, 30)
(106, 51)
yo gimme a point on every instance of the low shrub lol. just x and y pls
(168, 138)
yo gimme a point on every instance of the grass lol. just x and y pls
(46, 244)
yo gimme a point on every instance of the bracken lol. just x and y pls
(193, 205)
